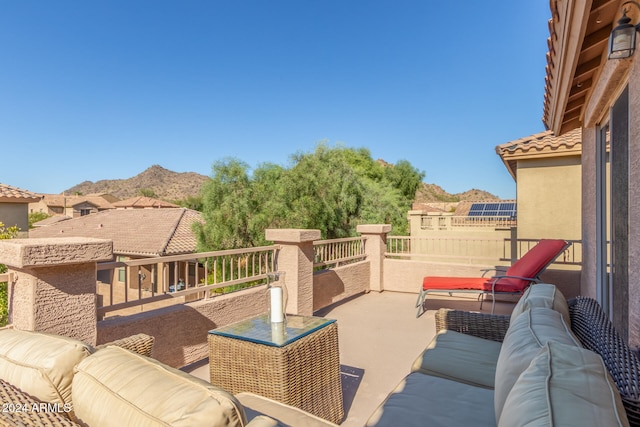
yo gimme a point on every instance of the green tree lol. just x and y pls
(147, 192)
(330, 189)
(405, 178)
(190, 202)
(227, 207)
(5, 233)
(323, 192)
(37, 216)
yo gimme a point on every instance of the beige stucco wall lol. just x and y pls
(406, 276)
(634, 203)
(588, 283)
(549, 198)
(337, 284)
(15, 214)
(608, 88)
(180, 331)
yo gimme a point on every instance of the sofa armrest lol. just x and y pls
(488, 326)
(139, 343)
(262, 421)
(256, 406)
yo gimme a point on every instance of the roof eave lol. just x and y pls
(568, 35)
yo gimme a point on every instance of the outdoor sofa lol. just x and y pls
(527, 369)
(50, 380)
(551, 363)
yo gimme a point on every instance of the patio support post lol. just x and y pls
(514, 245)
(295, 258)
(53, 287)
(375, 248)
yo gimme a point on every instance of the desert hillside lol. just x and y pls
(167, 185)
(156, 180)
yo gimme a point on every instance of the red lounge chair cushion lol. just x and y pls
(464, 283)
(529, 266)
(534, 261)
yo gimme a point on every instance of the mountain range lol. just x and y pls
(164, 184)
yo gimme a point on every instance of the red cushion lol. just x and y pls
(534, 262)
(453, 283)
(467, 283)
(530, 265)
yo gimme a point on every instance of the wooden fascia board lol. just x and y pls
(576, 16)
(19, 200)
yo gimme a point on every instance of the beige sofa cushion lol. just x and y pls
(284, 415)
(525, 337)
(40, 364)
(460, 357)
(424, 400)
(115, 387)
(542, 295)
(564, 386)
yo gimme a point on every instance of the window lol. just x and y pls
(122, 272)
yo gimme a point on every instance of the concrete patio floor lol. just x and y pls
(380, 338)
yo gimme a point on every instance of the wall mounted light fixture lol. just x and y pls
(622, 42)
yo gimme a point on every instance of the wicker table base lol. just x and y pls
(304, 373)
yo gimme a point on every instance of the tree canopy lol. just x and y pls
(332, 189)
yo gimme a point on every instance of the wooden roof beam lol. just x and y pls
(579, 89)
(596, 38)
(576, 104)
(587, 68)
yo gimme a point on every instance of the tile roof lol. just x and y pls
(543, 144)
(62, 200)
(138, 232)
(11, 194)
(143, 202)
(426, 207)
(51, 220)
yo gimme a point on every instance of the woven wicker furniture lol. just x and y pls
(590, 325)
(21, 409)
(299, 366)
(596, 332)
(524, 369)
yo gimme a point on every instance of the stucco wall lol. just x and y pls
(406, 276)
(181, 331)
(330, 286)
(15, 214)
(588, 280)
(634, 203)
(549, 202)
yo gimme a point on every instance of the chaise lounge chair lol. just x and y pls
(515, 279)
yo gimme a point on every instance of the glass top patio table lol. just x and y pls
(261, 330)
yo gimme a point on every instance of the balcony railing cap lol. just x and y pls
(47, 252)
(291, 235)
(373, 228)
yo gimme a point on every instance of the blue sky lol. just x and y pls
(93, 90)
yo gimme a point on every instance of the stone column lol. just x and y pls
(54, 284)
(375, 247)
(295, 258)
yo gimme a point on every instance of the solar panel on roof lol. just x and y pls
(493, 209)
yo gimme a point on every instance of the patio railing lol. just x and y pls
(157, 282)
(446, 222)
(336, 252)
(461, 249)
